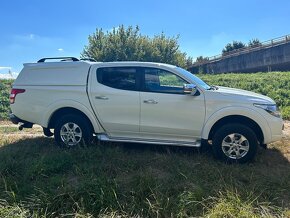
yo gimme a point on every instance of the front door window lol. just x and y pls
(161, 81)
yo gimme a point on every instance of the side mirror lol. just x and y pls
(190, 89)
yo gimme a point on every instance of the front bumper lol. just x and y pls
(276, 127)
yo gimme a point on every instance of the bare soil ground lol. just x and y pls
(286, 130)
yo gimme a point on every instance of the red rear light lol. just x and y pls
(13, 94)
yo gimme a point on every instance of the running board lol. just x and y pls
(104, 137)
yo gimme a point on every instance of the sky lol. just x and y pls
(32, 29)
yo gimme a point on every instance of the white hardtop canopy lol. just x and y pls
(68, 71)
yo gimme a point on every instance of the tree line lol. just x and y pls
(128, 44)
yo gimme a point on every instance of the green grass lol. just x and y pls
(8, 129)
(276, 85)
(39, 179)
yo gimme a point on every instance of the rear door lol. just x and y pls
(116, 100)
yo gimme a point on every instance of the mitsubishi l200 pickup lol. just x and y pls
(141, 102)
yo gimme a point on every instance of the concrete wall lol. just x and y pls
(276, 58)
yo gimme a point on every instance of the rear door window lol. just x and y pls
(124, 78)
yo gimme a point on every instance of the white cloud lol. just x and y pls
(5, 73)
(5, 68)
(60, 49)
(25, 37)
(12, 75)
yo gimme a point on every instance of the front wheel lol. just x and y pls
(235, 143)
(72, 130)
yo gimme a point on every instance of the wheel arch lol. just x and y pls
(237, 119)
(245, 115)
(60, 111)
(64, 111)
(66, 105)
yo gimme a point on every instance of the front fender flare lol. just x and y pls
(237, 111)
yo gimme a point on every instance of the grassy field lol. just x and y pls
(38, 179)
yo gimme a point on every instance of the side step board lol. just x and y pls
(104, 137)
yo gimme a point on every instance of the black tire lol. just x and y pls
(82, 128)
(235, 143)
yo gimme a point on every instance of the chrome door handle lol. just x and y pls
(101, 97)
(150, 101)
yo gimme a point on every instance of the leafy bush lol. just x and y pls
(5, 86)
(128, 44)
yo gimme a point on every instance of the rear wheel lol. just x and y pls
(235, 143)
(72, 130)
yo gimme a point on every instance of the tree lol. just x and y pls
(201, 59)
(254, 43)
(128, 44)
(232, 46)
(189, 62)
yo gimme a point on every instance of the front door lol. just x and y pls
(166, 112)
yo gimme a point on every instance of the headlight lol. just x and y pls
(270, 108)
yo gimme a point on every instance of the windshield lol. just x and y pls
(197, 80)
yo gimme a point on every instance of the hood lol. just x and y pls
(244, 95)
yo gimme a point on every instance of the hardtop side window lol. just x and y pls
(124, 78)
(162, 81)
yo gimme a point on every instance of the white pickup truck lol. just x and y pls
(141, 102)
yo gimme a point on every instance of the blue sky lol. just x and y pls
(33, 29)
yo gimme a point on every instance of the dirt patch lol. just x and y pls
(286, 131)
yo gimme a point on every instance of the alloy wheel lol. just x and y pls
(235, 146)
(71, 134)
